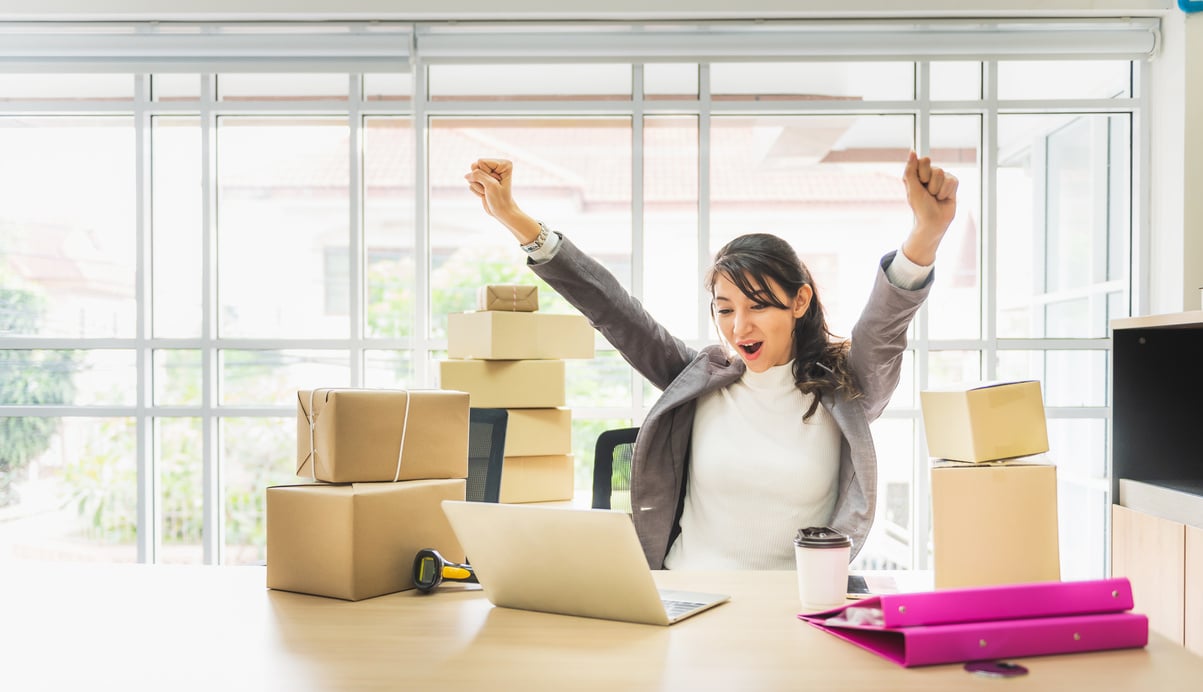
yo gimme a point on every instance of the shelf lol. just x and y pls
(1157, 467)
(1156, 379)
(1179, 501)
(1180, 320)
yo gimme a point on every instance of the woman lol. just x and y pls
(769, 432)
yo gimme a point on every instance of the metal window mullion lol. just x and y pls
(25, 342)
(638, 244)
(1096, 105)
(129, 411)
(1038, 318)
(703, 249)
(420, 353)
(587, 106)
(989, 169)
(147, 463)
(1140, 267)
(1056, 344)
(186, 107)
(211, 533)
(920, 481)
(356, 241)
(1077, 412)
(1096, 304)
(68, 411)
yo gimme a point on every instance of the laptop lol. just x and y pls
(582, 562)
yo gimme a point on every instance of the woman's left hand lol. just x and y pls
(932, 194)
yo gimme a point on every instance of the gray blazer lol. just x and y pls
(661, 458)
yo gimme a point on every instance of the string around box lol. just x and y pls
(313, 431)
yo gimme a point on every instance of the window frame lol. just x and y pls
(420, 346)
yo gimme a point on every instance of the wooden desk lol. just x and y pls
(70, 627)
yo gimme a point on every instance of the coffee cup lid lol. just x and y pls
(821, 537)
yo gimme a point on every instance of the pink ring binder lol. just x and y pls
(958, 625)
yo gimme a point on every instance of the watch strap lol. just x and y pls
(538, 241)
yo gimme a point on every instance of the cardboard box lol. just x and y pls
(985, 422)
(357, 434)
(358, 540)
(536, 479)
(994, 523)
(508, 297)
(506, 383)
(538, 431)
(518, 336)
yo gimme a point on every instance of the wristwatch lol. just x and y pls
(538, 241)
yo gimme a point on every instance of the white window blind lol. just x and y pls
(1136, 38)
(390, 46)
(172, 47)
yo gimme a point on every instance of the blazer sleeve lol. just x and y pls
(591, 288)
(878, 340)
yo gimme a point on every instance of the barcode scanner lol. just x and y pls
(432, 569)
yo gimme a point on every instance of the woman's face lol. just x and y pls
(761, 333)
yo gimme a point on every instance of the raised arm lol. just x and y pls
(879, 337)
(585, 283)
(932, 195)
(491, 180)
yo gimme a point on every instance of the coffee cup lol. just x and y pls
(822, 555)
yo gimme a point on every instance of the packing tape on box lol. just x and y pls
(312, 415)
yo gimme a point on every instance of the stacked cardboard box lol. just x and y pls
(509, 355)
(994, 505)
(379, 464)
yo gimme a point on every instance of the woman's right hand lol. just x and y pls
(490, 180)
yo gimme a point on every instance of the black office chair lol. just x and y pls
(612, 469)
(486, 451)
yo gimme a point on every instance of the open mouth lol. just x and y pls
(751, 348)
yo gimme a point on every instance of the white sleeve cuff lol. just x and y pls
(905, 274)
(547, 250)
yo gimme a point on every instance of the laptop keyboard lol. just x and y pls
(675, 608)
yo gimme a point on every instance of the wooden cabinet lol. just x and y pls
(1150, 552)
(1193, 620)
(1157, 469)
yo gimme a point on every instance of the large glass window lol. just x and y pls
(181, 252)
(282, 227)
(177, 221)
(1063, 233)
(388, 227)
(68, 220)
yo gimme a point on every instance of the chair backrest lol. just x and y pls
(612, 469)
(486, 451)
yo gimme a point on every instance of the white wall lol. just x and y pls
(1174, 262)
(1192, 179)
(1176, 175)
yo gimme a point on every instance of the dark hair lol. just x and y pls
(820, 359)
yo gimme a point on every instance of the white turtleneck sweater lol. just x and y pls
(757, 474)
